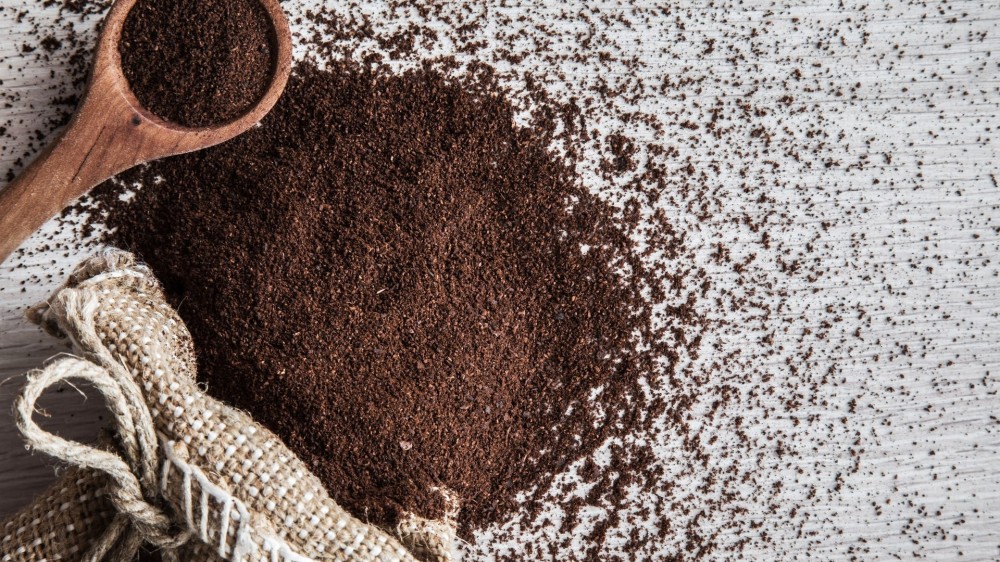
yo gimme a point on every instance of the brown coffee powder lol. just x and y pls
(769, 427)
(197, 62)
(407, 287)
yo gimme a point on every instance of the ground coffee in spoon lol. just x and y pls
(197, 62)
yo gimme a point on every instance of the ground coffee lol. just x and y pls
(717, 171)
(407, 287)
(197, 62)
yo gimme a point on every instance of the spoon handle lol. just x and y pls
(98, 143)
(65, 170)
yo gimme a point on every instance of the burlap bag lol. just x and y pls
(182, 472)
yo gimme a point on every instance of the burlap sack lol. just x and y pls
(190, 476)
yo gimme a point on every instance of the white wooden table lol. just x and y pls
(894, 198)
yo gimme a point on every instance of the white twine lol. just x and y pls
(244, 545)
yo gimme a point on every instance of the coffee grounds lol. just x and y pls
(712, 167)
(408, 288)
(197, 62)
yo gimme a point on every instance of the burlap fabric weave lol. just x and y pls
(222, 488)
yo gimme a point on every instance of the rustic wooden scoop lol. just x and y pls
(111, 132)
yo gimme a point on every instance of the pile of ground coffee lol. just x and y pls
(407, 287)
(715, 172)
(197, 62)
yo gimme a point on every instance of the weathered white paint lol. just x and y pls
(945, 401)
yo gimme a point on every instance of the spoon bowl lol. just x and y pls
(112, 132)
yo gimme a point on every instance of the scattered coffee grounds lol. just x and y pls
(407, 287)
(197, 62)
(783, 196)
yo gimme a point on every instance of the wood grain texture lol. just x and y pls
(906, 217)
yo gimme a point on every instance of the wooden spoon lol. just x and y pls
(111, 132)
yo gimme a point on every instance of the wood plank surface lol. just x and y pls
(894, 200)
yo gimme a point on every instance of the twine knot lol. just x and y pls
(149, 520)
(132, 475)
